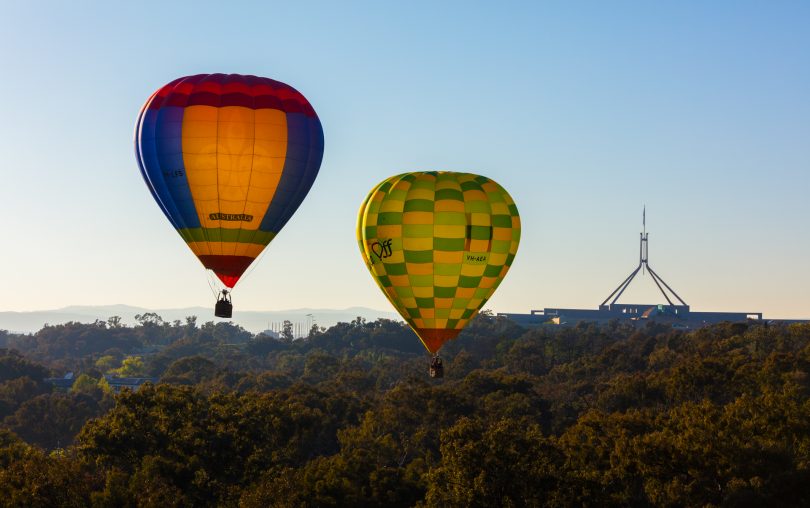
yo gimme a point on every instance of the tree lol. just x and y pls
(87, 385)
(287, 331)
(501, 464)
(190, 370)
(320, 366)
(132, 366)
(149, 318)
(52, 420)
(15, 392)
(262, 344)
(106, 363)
(31, 478)
(13, 366)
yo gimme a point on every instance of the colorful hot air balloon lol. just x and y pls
(228, 158)
(438, 244)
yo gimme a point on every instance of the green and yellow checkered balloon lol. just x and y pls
(438, 244)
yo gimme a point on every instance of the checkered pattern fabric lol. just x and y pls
(438, 244)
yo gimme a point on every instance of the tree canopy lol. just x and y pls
(592, 415)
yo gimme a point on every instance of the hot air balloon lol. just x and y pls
(228, 158)
(438, 244)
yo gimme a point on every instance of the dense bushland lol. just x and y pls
(610, 415)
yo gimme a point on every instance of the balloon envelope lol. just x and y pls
(438, 244)
(228, 158)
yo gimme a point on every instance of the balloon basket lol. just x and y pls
(436, 368)
(223, 309)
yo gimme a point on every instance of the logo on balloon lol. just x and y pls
(231, 216)
(382, 249)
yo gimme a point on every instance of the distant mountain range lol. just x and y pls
(253, 321)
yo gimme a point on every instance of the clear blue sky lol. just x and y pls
(584, 111)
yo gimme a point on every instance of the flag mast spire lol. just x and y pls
(643, 264)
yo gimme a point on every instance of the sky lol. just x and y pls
(584, 111)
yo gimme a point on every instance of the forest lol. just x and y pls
(619, 414)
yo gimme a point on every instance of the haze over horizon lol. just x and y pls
(254, 321)
(584, 113)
